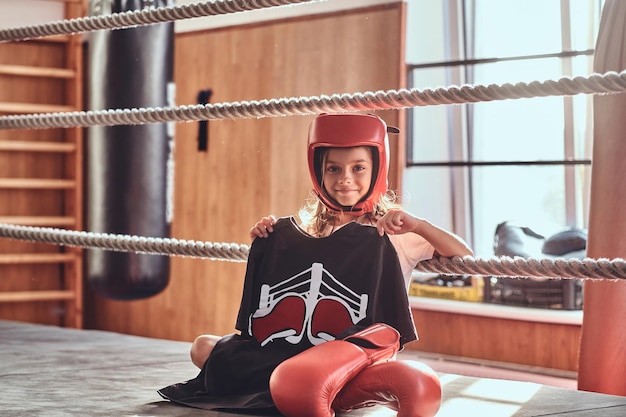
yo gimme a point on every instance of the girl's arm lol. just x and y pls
(445, 243)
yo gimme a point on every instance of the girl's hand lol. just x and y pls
(263, 227)
(397, 222)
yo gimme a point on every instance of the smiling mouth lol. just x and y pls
(347, 197)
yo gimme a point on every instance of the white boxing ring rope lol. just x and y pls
(141, 17)
(610, 82)
(496, 266)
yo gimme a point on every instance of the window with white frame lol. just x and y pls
(473, 166)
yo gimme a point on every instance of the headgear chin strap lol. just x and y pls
(347, 130)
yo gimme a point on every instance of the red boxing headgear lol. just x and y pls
(347, 130)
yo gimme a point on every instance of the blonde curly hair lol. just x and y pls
(315, 217)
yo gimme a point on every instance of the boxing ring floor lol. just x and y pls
(52, 371)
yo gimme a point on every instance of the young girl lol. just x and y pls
(349, 176)
(345, 266)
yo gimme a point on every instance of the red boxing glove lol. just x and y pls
(409, 387)
(306, 384)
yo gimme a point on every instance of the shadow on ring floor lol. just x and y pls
(495, 370)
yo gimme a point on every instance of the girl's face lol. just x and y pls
(347, 174)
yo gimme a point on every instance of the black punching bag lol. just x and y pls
(127, 166)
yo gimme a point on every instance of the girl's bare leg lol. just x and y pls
(201, 348)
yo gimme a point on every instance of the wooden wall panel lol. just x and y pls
(253, 167)
(31, 278)
(35, 53)
(544, 345)
(32, 165)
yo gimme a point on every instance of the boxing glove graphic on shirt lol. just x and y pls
(311, 304)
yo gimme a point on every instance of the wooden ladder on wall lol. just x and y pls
(41, 178)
